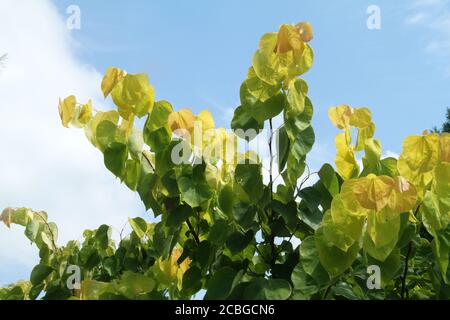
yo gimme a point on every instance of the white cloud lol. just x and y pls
(434, 15)
(416, 19)
(429, 3)
(390, 154)
(43, 165)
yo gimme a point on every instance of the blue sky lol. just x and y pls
(197, 54)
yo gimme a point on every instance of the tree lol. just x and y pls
(378, 229)
(445, 125)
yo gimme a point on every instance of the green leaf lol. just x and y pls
(287, 211)
(238, 241)
(271, 289)
(303, 143)
(131, 284)
(178, 216)
(295, 169)
(389, 167)
(139, 226)
(245, 126)
(305, 287)
(277, 289)
(132, 173)
(35, 291)
(40, 273)
(226, 199)
(32, 229)
(146, 187)
(389, 268)
(298, 90)
(261, 110)
(309, 258)
(91, 129)
(299, 123)
(105, 134)
(222, 283)
(249, 178)
(329, 179)
(115, 157)
(135, 143)
(219, 232)
(103, 236)
(193, 186)
(441, 250)
(159, 116)
(332, 256)
(157, 133)
(192, 279)
(159, 139)
(343, 289)
(382, 235)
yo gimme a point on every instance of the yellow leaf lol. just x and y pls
(404, 196)
(348, 222)
(183, 119)
(85, 113)
(382, 234)
(305, 30)
(265, 62)
(207, 120)
(349, 199)
(282, 56)
(6, 216)
(419, 157)
(361, 118)
(289, 39)
(340, 116)
(373, 192)
(169, 272)
(445, 147)
(134, 95)
(363, 135)
(112, 77)
(67, 110)
(346, 163)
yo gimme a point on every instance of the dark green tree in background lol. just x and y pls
(445, 125)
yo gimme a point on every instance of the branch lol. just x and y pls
(327, 291)
(149, 162)
(405, 271)
(271, 236)
(271, 159)
(192, 230)
(49, 229)
(290, 238)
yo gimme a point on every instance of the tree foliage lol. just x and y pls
(221, 229)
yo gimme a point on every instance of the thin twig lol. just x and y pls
(49, 229)
(192, 230)
(290, 238)
(405, 271)
(271, 158)
(327, 291)
(149, 162)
